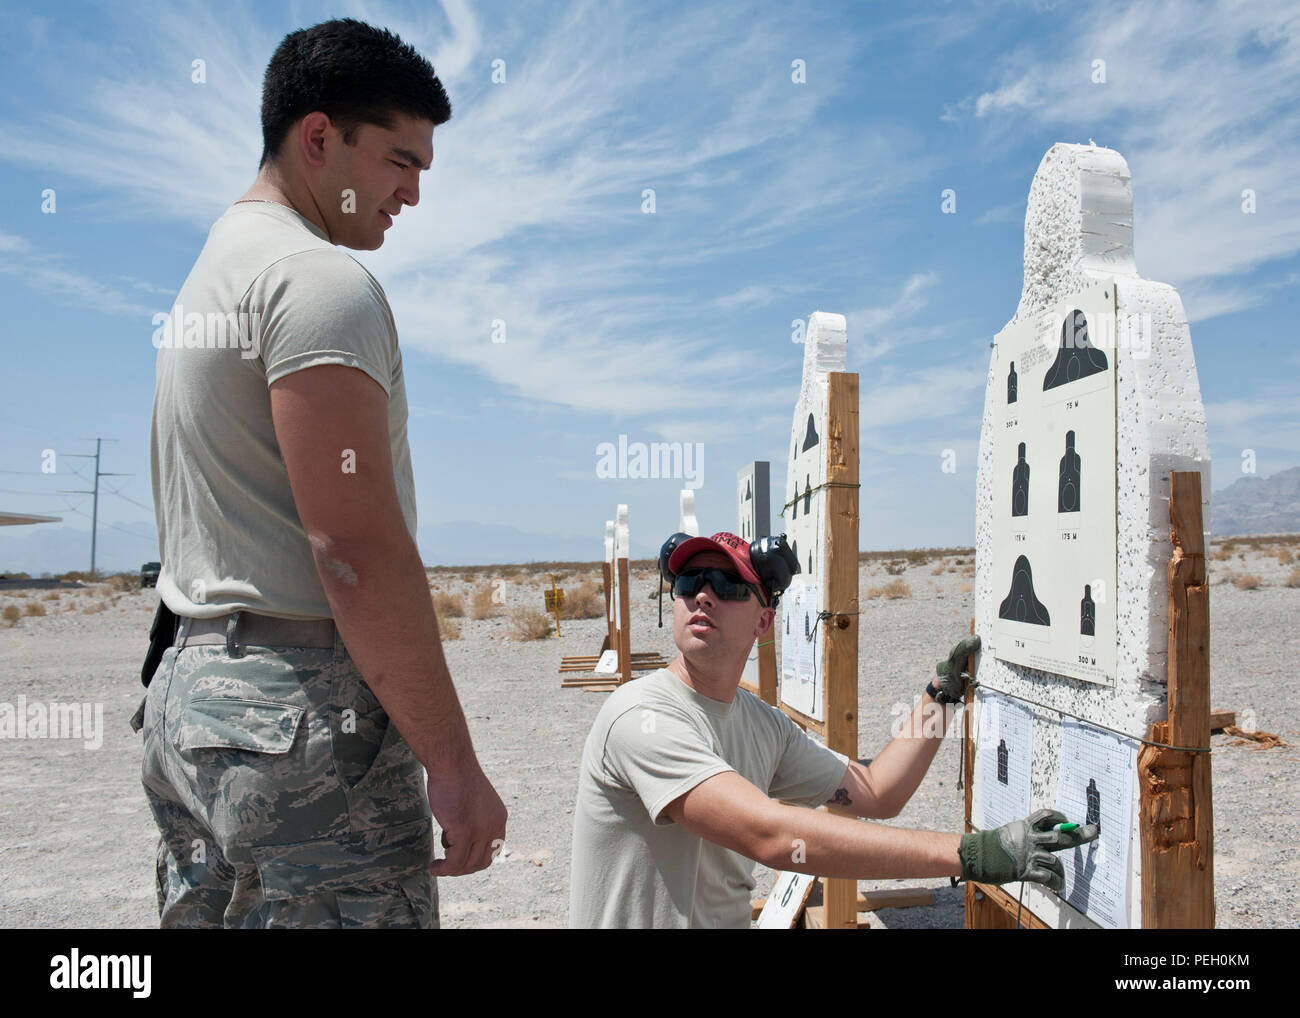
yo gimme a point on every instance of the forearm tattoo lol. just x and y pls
(840, 798)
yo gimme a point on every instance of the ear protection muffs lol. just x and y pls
(771, 557)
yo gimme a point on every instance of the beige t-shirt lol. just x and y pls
(654, 740)
(269, 295)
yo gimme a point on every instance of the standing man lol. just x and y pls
(682, 772)
(291, 720)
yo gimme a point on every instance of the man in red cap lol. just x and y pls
(687, 779)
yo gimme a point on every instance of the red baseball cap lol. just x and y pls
(735, 548)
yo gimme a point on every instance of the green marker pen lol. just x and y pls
(1066, 827)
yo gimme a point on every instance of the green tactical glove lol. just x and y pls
(952, 674)
(1022, 850)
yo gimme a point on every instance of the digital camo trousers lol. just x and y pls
(283, 794)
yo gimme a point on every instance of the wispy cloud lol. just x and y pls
(532, 214)
(45, 274)
(1199, 98)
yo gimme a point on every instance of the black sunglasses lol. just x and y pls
(726, 585)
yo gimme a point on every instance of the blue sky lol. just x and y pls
(773, 199)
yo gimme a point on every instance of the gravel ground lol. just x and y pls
(77, 840)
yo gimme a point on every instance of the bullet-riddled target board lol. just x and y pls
(802, 685)
(1054, 530)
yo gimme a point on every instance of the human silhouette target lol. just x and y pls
(1020, 485)
(810, 437)
(1067, 489)
(1076, 357)
(1087, 613)
(1021, 604)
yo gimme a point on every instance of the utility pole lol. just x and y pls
(94, 517)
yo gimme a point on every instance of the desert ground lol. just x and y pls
(77, 840)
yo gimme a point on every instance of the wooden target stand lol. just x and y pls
(580, 669)
(839, 654)
(1175, 812)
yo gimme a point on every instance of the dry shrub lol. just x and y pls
(530, 624)
(937, 569)
(897, 588)
(1284, 556)
(585, 601)
(449, 629)
(1246, 581)
(483, 603)
(53, 595)
(873, 593)
(35, 608)
(95, 608)
(965, 588)
(12, 614)
(121, 582)
(1220, 555)
(449, 606)
(663, 588)
(1294, 579)
(896, 568)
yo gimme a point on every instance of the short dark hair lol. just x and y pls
(353, 73)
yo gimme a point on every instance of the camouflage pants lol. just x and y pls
(283, 795)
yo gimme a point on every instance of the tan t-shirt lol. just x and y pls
(654, 740)
(269, 295)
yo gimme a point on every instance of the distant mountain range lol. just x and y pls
(1257, 505)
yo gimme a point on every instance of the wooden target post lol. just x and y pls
(590, 672)
(819, 612)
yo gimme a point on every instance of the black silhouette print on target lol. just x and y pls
(794, 505)
(1021, 605)
(1094, 803)
(1003, 753)
(810, 436)
(1020, 485)
(1011, 384)
(1087, 613)
(1067, 489)
(1076, 357)
(807, 494)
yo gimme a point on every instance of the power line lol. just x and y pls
(113, 526)
(132, 501)
(94, 519)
